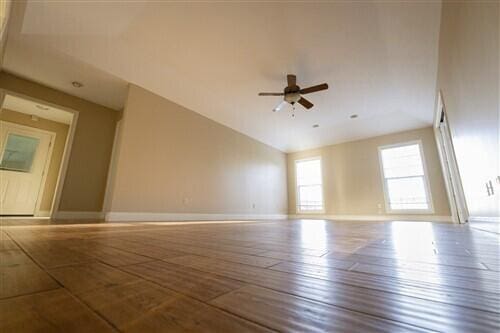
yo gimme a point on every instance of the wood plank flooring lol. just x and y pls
(248, 276)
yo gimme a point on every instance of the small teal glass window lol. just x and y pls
(19, 153)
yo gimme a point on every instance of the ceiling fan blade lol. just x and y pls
(280, 106)
(271, 94)
(305, 103)
(312, 89)
(291, 79)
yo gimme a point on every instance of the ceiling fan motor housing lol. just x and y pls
(292, 94)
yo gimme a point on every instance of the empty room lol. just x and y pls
(249, 166)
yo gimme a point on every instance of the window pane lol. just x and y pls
(402, 161)
(19, 153)
(309, 187)
(404, 178)
(316, 208)
(311, 197)
(308, 172)
(407, 193)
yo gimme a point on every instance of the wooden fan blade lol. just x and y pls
(305, 103)
(291, 79)
(280, 106)
(271, 94)
(312, 89)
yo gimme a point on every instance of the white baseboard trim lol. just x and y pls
(169, 217)
(70, 215)
(495, 219)
(159, 217)
(429, 218)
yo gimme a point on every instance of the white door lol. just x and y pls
(452, 172)
(23, 157)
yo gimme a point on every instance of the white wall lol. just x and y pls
(469, 80)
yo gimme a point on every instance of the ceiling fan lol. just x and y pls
(293, 93)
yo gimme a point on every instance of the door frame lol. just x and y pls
(452, 180)
(110, 182)
(46, 163)
(54, 209)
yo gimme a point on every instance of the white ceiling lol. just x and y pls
(25, 106)
(379, 58)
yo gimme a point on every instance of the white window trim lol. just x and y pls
(388, 209)
(297, 197)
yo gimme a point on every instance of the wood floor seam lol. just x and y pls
(197, 300)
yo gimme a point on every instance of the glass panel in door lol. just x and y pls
(19, 153)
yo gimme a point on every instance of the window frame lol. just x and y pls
(4, 149)
(388, 209)
(297, 192)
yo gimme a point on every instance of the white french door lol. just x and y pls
(24, 155)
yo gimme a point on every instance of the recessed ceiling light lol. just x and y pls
(315, 126)
(41, 107)
(353, 116)
(77, 84)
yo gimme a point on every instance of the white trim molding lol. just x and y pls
(158, 217)
(178, 217)
(419, 217)
(70, 215)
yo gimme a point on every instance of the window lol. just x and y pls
(19, 153)
(405, 182)
(309, 185)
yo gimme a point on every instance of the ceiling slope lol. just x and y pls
(379, 59)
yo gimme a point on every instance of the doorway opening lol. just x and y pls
(453, 182)
(35, 143)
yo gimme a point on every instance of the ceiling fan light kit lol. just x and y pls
(293, 94)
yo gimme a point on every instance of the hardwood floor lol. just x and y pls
(294, 275)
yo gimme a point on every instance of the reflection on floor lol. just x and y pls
(237, 276)
(487, 226)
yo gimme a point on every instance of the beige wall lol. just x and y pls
(85, 183)
(351, 174)
(61, 131)
(468, 76)
(173, 160)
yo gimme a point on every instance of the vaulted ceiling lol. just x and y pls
(379, 59)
